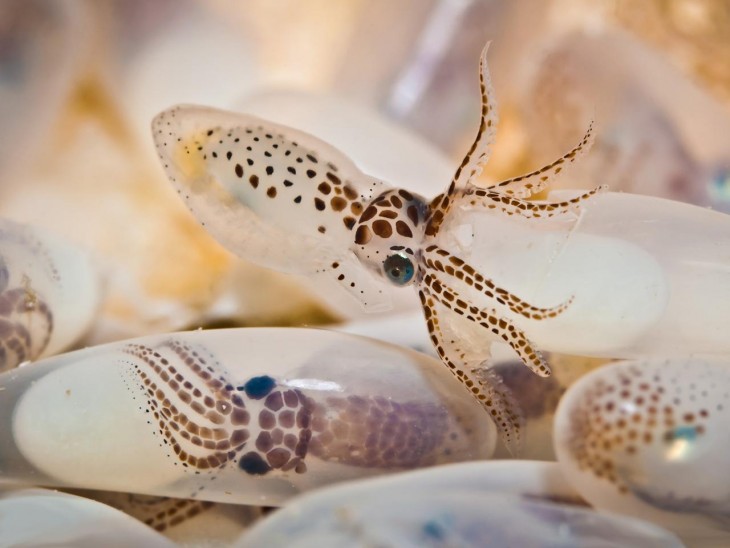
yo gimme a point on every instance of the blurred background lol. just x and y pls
(391, 83)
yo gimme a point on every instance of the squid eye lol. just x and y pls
(399, 269)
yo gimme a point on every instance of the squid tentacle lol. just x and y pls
(454, 266)
(481, 148)
(171, 423)
(477, 156)
(168, 512)
(486, 387)
(501, 327)
(528, 185)
(187, 435)
(487, 198)
(26, 323)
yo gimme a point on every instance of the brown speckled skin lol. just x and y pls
(26, 323)
(616, 419)
(207, 423)
(302, 190)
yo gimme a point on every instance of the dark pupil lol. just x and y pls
(399, 269)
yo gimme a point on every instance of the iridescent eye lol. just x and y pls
(399, 269)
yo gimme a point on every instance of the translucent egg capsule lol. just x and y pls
(650, 439)
(49, 294)
(243, 415)
(189, 522)
(643, 275)
(490, 504)
(40, 517)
